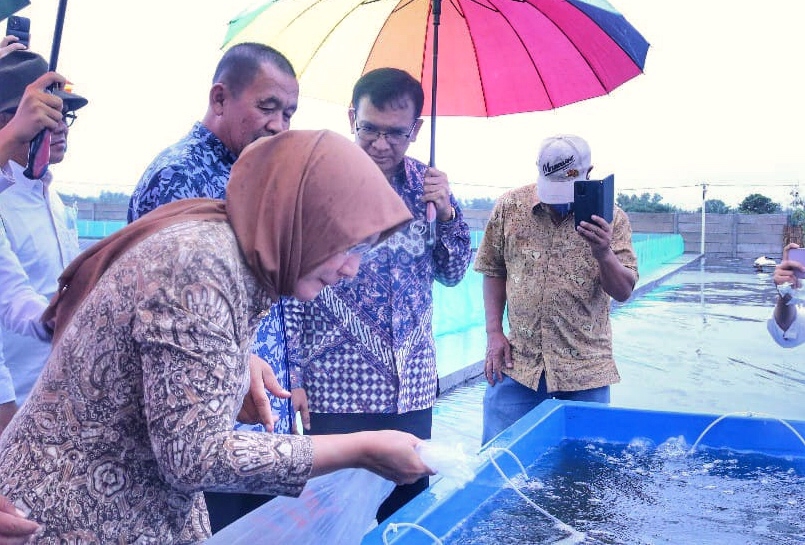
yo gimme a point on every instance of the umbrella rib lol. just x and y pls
(332, 27)
(519, 39)
(592, 69)
(397, 8)
(562, 31)
(633, 55)
(475, 49)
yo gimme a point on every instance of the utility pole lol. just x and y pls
(701, 257)
(704, 201)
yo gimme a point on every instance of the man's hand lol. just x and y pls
(598, 235)
(616, 279)
(785, 314)
(299, 403)
(785, 271)
(8, 44)
(256, 407)
(437, 191)
(14, 527)
(498, 356)
(38, 109)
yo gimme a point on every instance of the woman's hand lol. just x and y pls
(392, 455)
(388, 453)
(256, 408)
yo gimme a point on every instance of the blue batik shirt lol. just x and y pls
(366, 345)
(199, 165)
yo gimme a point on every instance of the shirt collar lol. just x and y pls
(536, 204)
(214, 143)
(15, 171)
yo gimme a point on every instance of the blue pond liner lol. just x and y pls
(460, 308)
(444, 505)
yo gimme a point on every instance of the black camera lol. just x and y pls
(19, 27)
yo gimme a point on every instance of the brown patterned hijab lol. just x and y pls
(293, 200)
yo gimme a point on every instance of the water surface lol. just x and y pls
(642, 494)
(696, 343)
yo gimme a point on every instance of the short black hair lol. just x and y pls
(383, 85)
(241, 63)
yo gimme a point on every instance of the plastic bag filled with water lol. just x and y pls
(449, 461)
(339, 507)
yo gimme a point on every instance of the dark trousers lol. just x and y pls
(227, 507)
(418, 423)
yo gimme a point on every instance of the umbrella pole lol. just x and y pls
(54, 50)
(431, 208)
(437, 13)
(39, 149)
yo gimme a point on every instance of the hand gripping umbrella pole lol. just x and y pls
(39, 150)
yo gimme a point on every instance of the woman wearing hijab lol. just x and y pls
(133, 414)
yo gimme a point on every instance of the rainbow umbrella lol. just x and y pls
(494, 57)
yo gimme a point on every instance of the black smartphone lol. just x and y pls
(19, 27)
(593, 197)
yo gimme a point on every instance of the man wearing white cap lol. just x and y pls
(556, 281)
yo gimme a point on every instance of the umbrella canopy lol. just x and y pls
(495, 57)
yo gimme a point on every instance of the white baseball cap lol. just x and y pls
(562, 160)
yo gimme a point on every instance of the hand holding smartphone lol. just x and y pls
(593, 197)
(19, 27)
(798, 255)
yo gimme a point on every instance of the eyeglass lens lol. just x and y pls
(370, 134)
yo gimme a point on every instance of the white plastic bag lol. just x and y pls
(339, 507)
(449, 461)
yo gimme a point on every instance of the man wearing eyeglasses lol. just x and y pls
(362, 353)
(38, 235)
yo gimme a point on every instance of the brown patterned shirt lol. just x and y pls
(132, 416)
(558, 312)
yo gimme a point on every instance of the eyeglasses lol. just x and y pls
(361, 249)
(394, 137)
(69, 118)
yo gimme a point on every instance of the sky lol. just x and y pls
(719, 103)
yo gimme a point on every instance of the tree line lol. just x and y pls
(648, 202)
(755, 203)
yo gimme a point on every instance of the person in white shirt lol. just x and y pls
(38, 237)
(786, 326)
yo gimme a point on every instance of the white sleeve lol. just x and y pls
(791, 337)
(20, 305)
(6, 180)
(6, 384)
